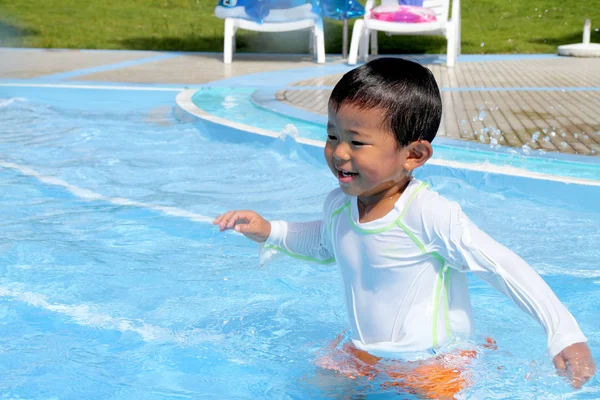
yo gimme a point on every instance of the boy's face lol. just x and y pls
(361, 154)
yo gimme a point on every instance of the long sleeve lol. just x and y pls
(302, 240)
(469, 249)
(308, 241)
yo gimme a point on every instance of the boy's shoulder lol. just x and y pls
(429, 205)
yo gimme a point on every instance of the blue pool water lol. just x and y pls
(113, 285)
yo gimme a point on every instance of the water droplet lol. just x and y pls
(482, 44)
(552, 133)
(563, 144)
(526, 149)
(493, 142)
(575, 135)
(586, 137)
(481, 138)
(535, 136)
(474, 119)
(482, 115)
(547, 139)
(545, 130)
(596, 30)
(462, 122)
(563, 134)
(541, 152)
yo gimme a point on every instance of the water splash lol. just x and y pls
(230, 102)
(287, 145)
(9, 101)
(289, 130)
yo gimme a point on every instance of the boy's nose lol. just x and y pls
(341, 152)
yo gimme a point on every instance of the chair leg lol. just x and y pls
(320, 41)
(451, 43)
(233, 44)
(374, 44)
(363, 53)
(228, 40)
(457, 34)
(355, 41)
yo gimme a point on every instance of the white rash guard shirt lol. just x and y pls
(403, 274)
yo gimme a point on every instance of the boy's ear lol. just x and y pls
(418, 153)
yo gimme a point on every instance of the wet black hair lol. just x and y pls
(405, 90)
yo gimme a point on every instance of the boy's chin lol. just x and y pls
(349, 190)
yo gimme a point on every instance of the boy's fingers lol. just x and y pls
(225, 219)
(218, 219)
(242, 228)
(560, 365)
(236, 216)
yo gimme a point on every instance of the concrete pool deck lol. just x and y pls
(503, 99)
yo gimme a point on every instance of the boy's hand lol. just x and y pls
(248, 223)
(577, 363)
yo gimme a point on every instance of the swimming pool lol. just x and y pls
(115, 285)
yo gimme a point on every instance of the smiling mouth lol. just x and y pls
(346, 176)
(346, 173)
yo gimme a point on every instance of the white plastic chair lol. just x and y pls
(316, 43)
(366, 28)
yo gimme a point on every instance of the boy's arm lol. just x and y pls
(308, 241)
(302, 240)
(467, 248)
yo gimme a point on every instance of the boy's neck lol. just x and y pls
(373, 207)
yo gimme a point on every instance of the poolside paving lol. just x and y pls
(35, 63)
(545, 103)
(550, 104)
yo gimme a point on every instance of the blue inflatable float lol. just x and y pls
(268, 10)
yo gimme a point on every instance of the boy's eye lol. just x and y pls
(355, 143)
(331, 137)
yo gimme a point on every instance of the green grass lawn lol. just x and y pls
(488, 26)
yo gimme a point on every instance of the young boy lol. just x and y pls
(401, 247)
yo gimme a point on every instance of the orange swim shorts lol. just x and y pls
(440, 377)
